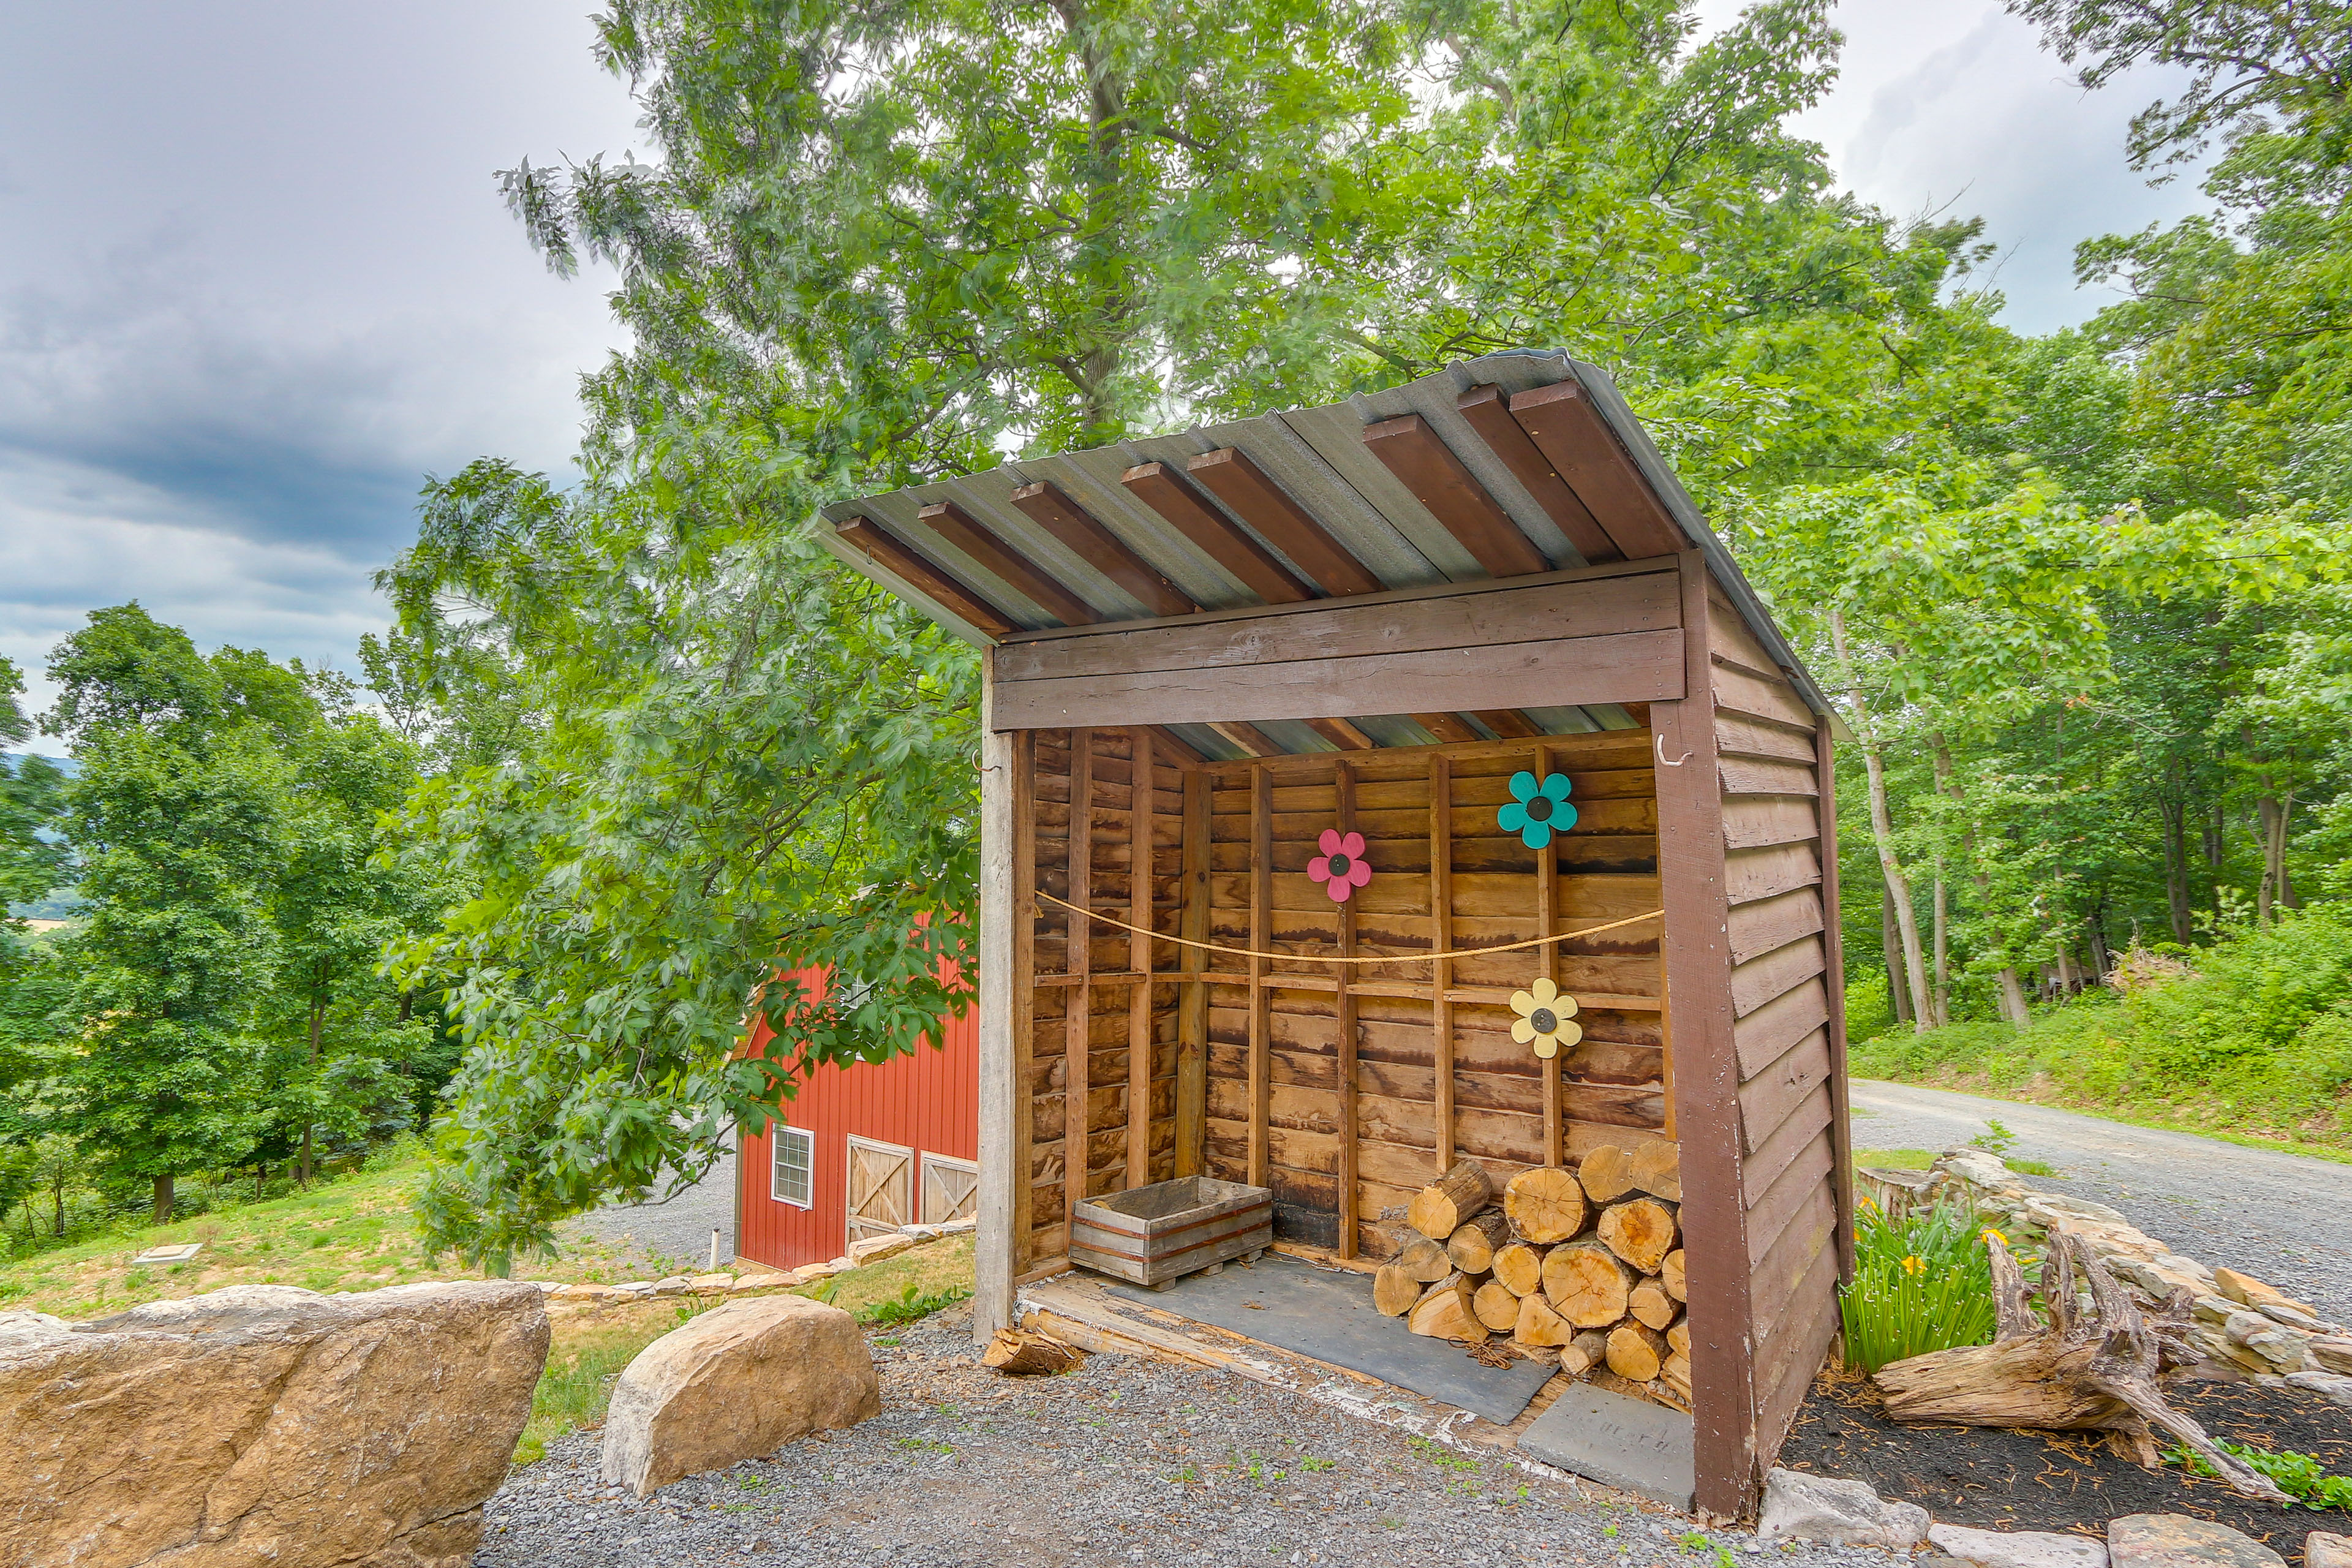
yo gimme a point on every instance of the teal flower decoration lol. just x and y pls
(1538, 811)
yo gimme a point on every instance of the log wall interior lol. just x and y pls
(1280, 1049)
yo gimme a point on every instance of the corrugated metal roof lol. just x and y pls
(1319, 457)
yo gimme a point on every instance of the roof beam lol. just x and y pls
(1447, 727)
(1044, 504)
(951, 594)
(1411, 450)
(1488, 409)
(958, 527)
(1162, 488)
(1509, 724)
(1253, 740)
(1570, 432)
(1228, 474)
(1342, 733)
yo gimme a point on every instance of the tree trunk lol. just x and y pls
(1899, 996)
(163, 1201)
(2102, 956)
(2176, 870)
(1881, 829)
(2012, 999)
(2271, 812)
(318, 1022)
(1941, 997)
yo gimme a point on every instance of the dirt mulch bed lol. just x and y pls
(1997, 1479)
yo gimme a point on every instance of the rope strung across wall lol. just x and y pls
(1381, 958)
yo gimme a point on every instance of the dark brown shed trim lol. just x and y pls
(1568, 431)
(1487, 409)
(960, 529)
(1044, 504)
(901, 561)
(1411, 450)
(1229, 475)
(1162, 488)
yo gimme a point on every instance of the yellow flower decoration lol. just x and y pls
(1991, 1235)
(1915, 1265)
(1546, 1018)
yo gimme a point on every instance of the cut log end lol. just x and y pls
(1658, 1170)
(1440, 1209)
(1640, 1230)
(1024, 1352)
(1546, 1204)
(1587, 1285)
(1520, 1268)
(1648, 1303)
(1586, 1353)
(1670, 1275)
(1637, 1351)
(1394, 1289)
(1606, 1173)
(1472, 1246)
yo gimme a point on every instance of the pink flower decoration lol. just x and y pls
(1339, 865)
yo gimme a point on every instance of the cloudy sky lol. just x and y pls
(256, 281)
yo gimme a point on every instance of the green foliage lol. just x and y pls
(1922, 1283)
(913, 1304)
(2256, 1041)
(1869, 1012)
(2301, 1476)
(1996, 1139)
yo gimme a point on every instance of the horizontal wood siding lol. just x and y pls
(1782, 918)
(1611, 1085)
(1551, 644)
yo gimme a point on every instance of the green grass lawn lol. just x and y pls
(356, 1233)
(353, 1233)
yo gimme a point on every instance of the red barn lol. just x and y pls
(864, 1149)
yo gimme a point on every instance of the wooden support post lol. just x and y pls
(1025, 993)
(1841, 1103)
(1706, 1072)
(1346, 780)
(1548, 965)
(1260, 933)
(1076, 1087)
(1004, 1098)
(1141, 797)
(1441, 971)
(1192, 1016)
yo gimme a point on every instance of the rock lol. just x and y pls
(1843, 1513)
(711, 1282)
(634, 1288)
(2324, 1549)
(874, 1249)
(2018, 1548)
(264, 1424)
(2060, 1206)
(737, 1383)
(2333, 1353)
(585, 1292)
(2333, 1386)
(2215, 1309)
(1978, 1168)
(2176, 1541)
(957, 1227)
(2251, 1291)
(2283, 1348)
(676, 1285)
(2279, 1312)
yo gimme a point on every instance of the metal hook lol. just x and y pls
(1660, 740)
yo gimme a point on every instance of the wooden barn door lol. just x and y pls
(951, 1189)
(881, 1187)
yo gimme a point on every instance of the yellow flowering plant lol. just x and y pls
(1921, 1283)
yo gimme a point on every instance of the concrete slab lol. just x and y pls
(1630, 1444)
(178, 1253)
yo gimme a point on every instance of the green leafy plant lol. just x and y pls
(1996, 1139)
(2300, 1476)
(912, 1305)
(1921, 1284)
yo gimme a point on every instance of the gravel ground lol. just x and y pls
(1121, 1461)
(2280, 1217)
(678, 1229)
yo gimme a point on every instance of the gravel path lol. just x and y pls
(678, 1230)
(2281, 1217)
(1121, 1461)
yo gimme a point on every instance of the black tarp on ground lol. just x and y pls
(1327, 1313)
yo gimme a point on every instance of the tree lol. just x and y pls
(31, 856)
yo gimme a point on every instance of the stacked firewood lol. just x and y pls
(1585, 1267)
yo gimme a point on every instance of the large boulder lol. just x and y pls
(2017, 1548)
(1801, 1506)
(264, 1424)
(736, 1382)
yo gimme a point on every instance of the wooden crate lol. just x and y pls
(1154, 1234)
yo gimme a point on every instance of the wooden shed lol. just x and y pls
(1212, 655)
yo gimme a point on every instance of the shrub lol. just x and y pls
(1921, 1284)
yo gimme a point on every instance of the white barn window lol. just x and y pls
(795, 1178)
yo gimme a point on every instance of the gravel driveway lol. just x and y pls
(677, 1230)
(2281, 1217)
(1121, 1461)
